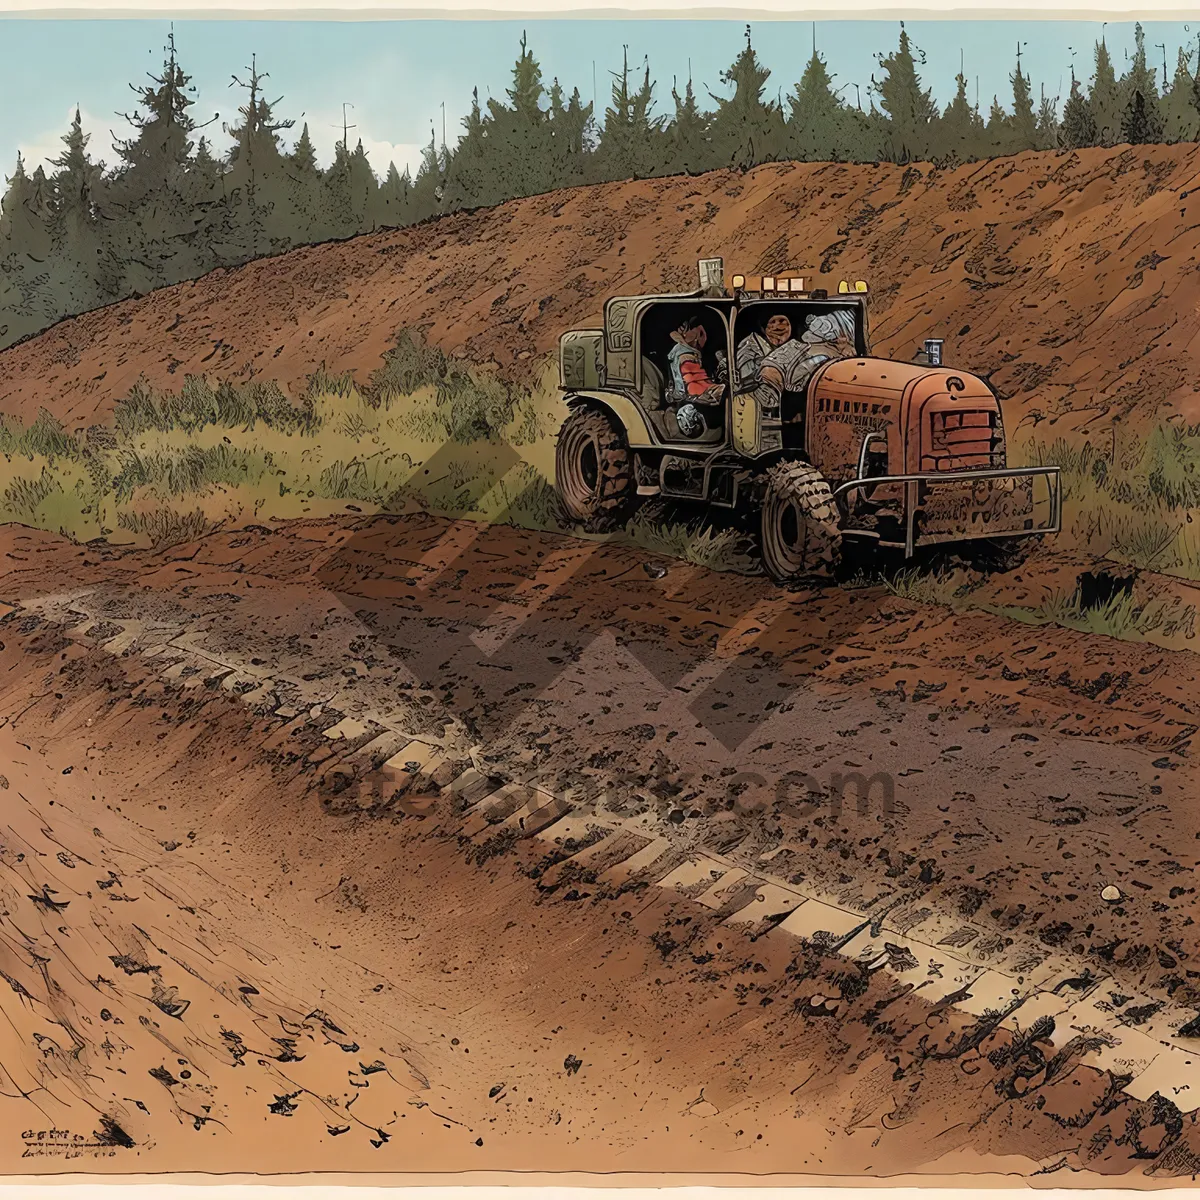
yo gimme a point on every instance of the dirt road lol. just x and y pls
(470, 838)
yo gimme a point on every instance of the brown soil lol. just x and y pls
(1067, 278)
(189, 888)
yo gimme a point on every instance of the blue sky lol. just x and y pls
(397, 74)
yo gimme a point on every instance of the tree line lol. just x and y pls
(172, 208)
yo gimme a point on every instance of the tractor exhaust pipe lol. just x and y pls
(712, 276)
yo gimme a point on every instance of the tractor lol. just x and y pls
(766, 400)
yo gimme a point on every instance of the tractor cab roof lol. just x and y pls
(744, 290)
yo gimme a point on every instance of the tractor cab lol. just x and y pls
(701, 353)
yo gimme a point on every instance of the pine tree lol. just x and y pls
(1140, 80)
(19, 227)
(304, 154)
(1196, 89)
(1023, 123)
(1179, 115)
(519, 137)
(570, 126)
(959, 135)
(339, 195)
(25, 246)
(689, 143)
(471, 181)
(1105, 99)
(364, 191)
(77, 180)
(84, 274)
(1048, 128)
(426, 195)
(1141, 123)
(746, 130)
(394, 199)
(307, 200)
(997, 134)
(154, 233)
(1078, 123)
(909, 111)
(821, 128)
(1181, 122)
(257, 184)
(631, 145)
(1141, 77)
(207, 170)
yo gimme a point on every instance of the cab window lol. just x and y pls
(825, 329)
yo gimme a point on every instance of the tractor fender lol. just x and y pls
(623, 410)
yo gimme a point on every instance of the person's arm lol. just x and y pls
(772, 377)
(697, 384)
(749, 357)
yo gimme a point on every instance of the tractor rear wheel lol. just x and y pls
(799, 524)
(593, 470)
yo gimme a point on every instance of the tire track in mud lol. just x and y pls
(415, 760)
(706, 934)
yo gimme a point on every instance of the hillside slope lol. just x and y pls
(1068, 278)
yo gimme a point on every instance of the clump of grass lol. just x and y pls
(922, 586)
(1145, 539)
(1122, 616)
(461, 403)
(165, 527)
(24, 496)
(1132, 500)
(408, 367)
(524, 498)
(351, 480)
(1172, 465)
(324, 383)
(198, 404)
(44, 438)
(696, 541)
(190, 469)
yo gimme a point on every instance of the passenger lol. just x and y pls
(831, 335)
(690, 382)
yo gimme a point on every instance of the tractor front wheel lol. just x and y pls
(799, 523)
(593, 470)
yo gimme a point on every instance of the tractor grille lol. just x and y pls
(959, 441)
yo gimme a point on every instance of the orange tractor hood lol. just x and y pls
(899, 392)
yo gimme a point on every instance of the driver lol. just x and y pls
(691, 386)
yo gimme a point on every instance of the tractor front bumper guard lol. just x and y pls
(954, 506)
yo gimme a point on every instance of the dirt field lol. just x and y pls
(1066, 278)
(368, 843)
(403, 845)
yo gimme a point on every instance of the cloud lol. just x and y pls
(41, 148)
(380, 152)
(400, 153)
